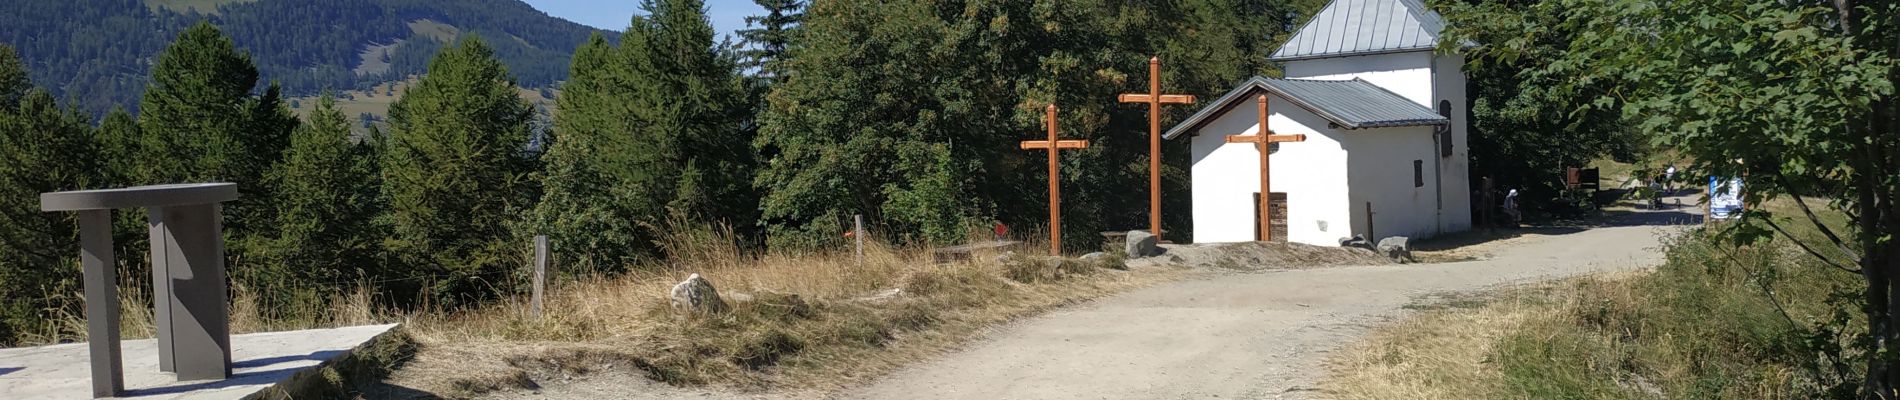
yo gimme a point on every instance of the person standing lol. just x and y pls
(1510, 207)
(1669, 178)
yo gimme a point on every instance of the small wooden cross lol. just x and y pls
(1155, 99)
(1054, 145)
(1261, 140)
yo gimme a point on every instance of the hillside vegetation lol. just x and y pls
(98, 52)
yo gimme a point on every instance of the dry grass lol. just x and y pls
(1702, 325)
(1449, 350)
(814, 320)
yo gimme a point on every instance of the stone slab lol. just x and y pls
(259, 360)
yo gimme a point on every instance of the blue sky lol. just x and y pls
(726, 15)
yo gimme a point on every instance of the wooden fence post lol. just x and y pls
(857, 233)
(540, 273)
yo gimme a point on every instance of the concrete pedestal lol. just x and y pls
(194, 334)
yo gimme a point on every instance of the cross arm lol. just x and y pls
(1166, 98)
(1060, 144)
(1268, 138)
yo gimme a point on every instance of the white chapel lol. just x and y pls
(1384, 151)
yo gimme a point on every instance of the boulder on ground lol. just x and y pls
(696, 295)
(1141, 244)
(1396, 247)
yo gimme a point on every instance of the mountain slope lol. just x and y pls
(97, 52)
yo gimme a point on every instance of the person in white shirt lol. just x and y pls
(1669, 178)
(1510, 207)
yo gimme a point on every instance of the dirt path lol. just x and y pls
(1246, 335)
(1243, 335)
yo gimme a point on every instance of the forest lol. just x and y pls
(98, 53)
(904, 112)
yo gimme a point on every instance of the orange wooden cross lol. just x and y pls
(1261, 140)
(1155, 99)
(1055, 197)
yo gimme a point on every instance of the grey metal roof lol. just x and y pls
(1355, 27)
(1353, 104)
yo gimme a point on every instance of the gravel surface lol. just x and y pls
(1248, 335)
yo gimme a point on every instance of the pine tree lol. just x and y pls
(769, 41)
(199, 122)
(456, 173)
(693, 110)
(326, 201)
(43, 148)
(13, 78)
(647, 134)
(597, 193)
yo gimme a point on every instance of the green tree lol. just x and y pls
(200, 122)
(1798, 97)
(456, 172)
(326, 203)
(13, 78)
(769, 41)
(648, 134)
(43, 148)
(1526, 128)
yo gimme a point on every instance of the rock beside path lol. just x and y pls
(696, 295)
(1398, 248)
(1141, 244)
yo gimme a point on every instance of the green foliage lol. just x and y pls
(909, 112)
(1798, 97)
(201, 124)
(648, 133)
(1525, 126)
(43, 148)
(456, 173)
(326, 204)
(13, 80)
(772, 37)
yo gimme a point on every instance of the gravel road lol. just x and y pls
(1245, 335)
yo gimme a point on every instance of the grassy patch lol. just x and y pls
(1703, 325)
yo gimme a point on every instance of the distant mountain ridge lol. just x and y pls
(97, 52)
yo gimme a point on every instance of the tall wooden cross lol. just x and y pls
(1155, 99)
(1261, 141)
(1054, 145)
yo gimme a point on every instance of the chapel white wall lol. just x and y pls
(1449, 80)
(1313, 174)
(1409, 74)
(1381, 162)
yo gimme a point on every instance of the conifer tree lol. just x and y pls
(326, 200)
(648, 134)
(200, 122)
(13, 78)
(769, 41)
(43, 148)
(456, 171)
(597, 190)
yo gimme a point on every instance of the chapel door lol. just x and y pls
(1276, 217)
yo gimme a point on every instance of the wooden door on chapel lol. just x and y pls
(1277, 217)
